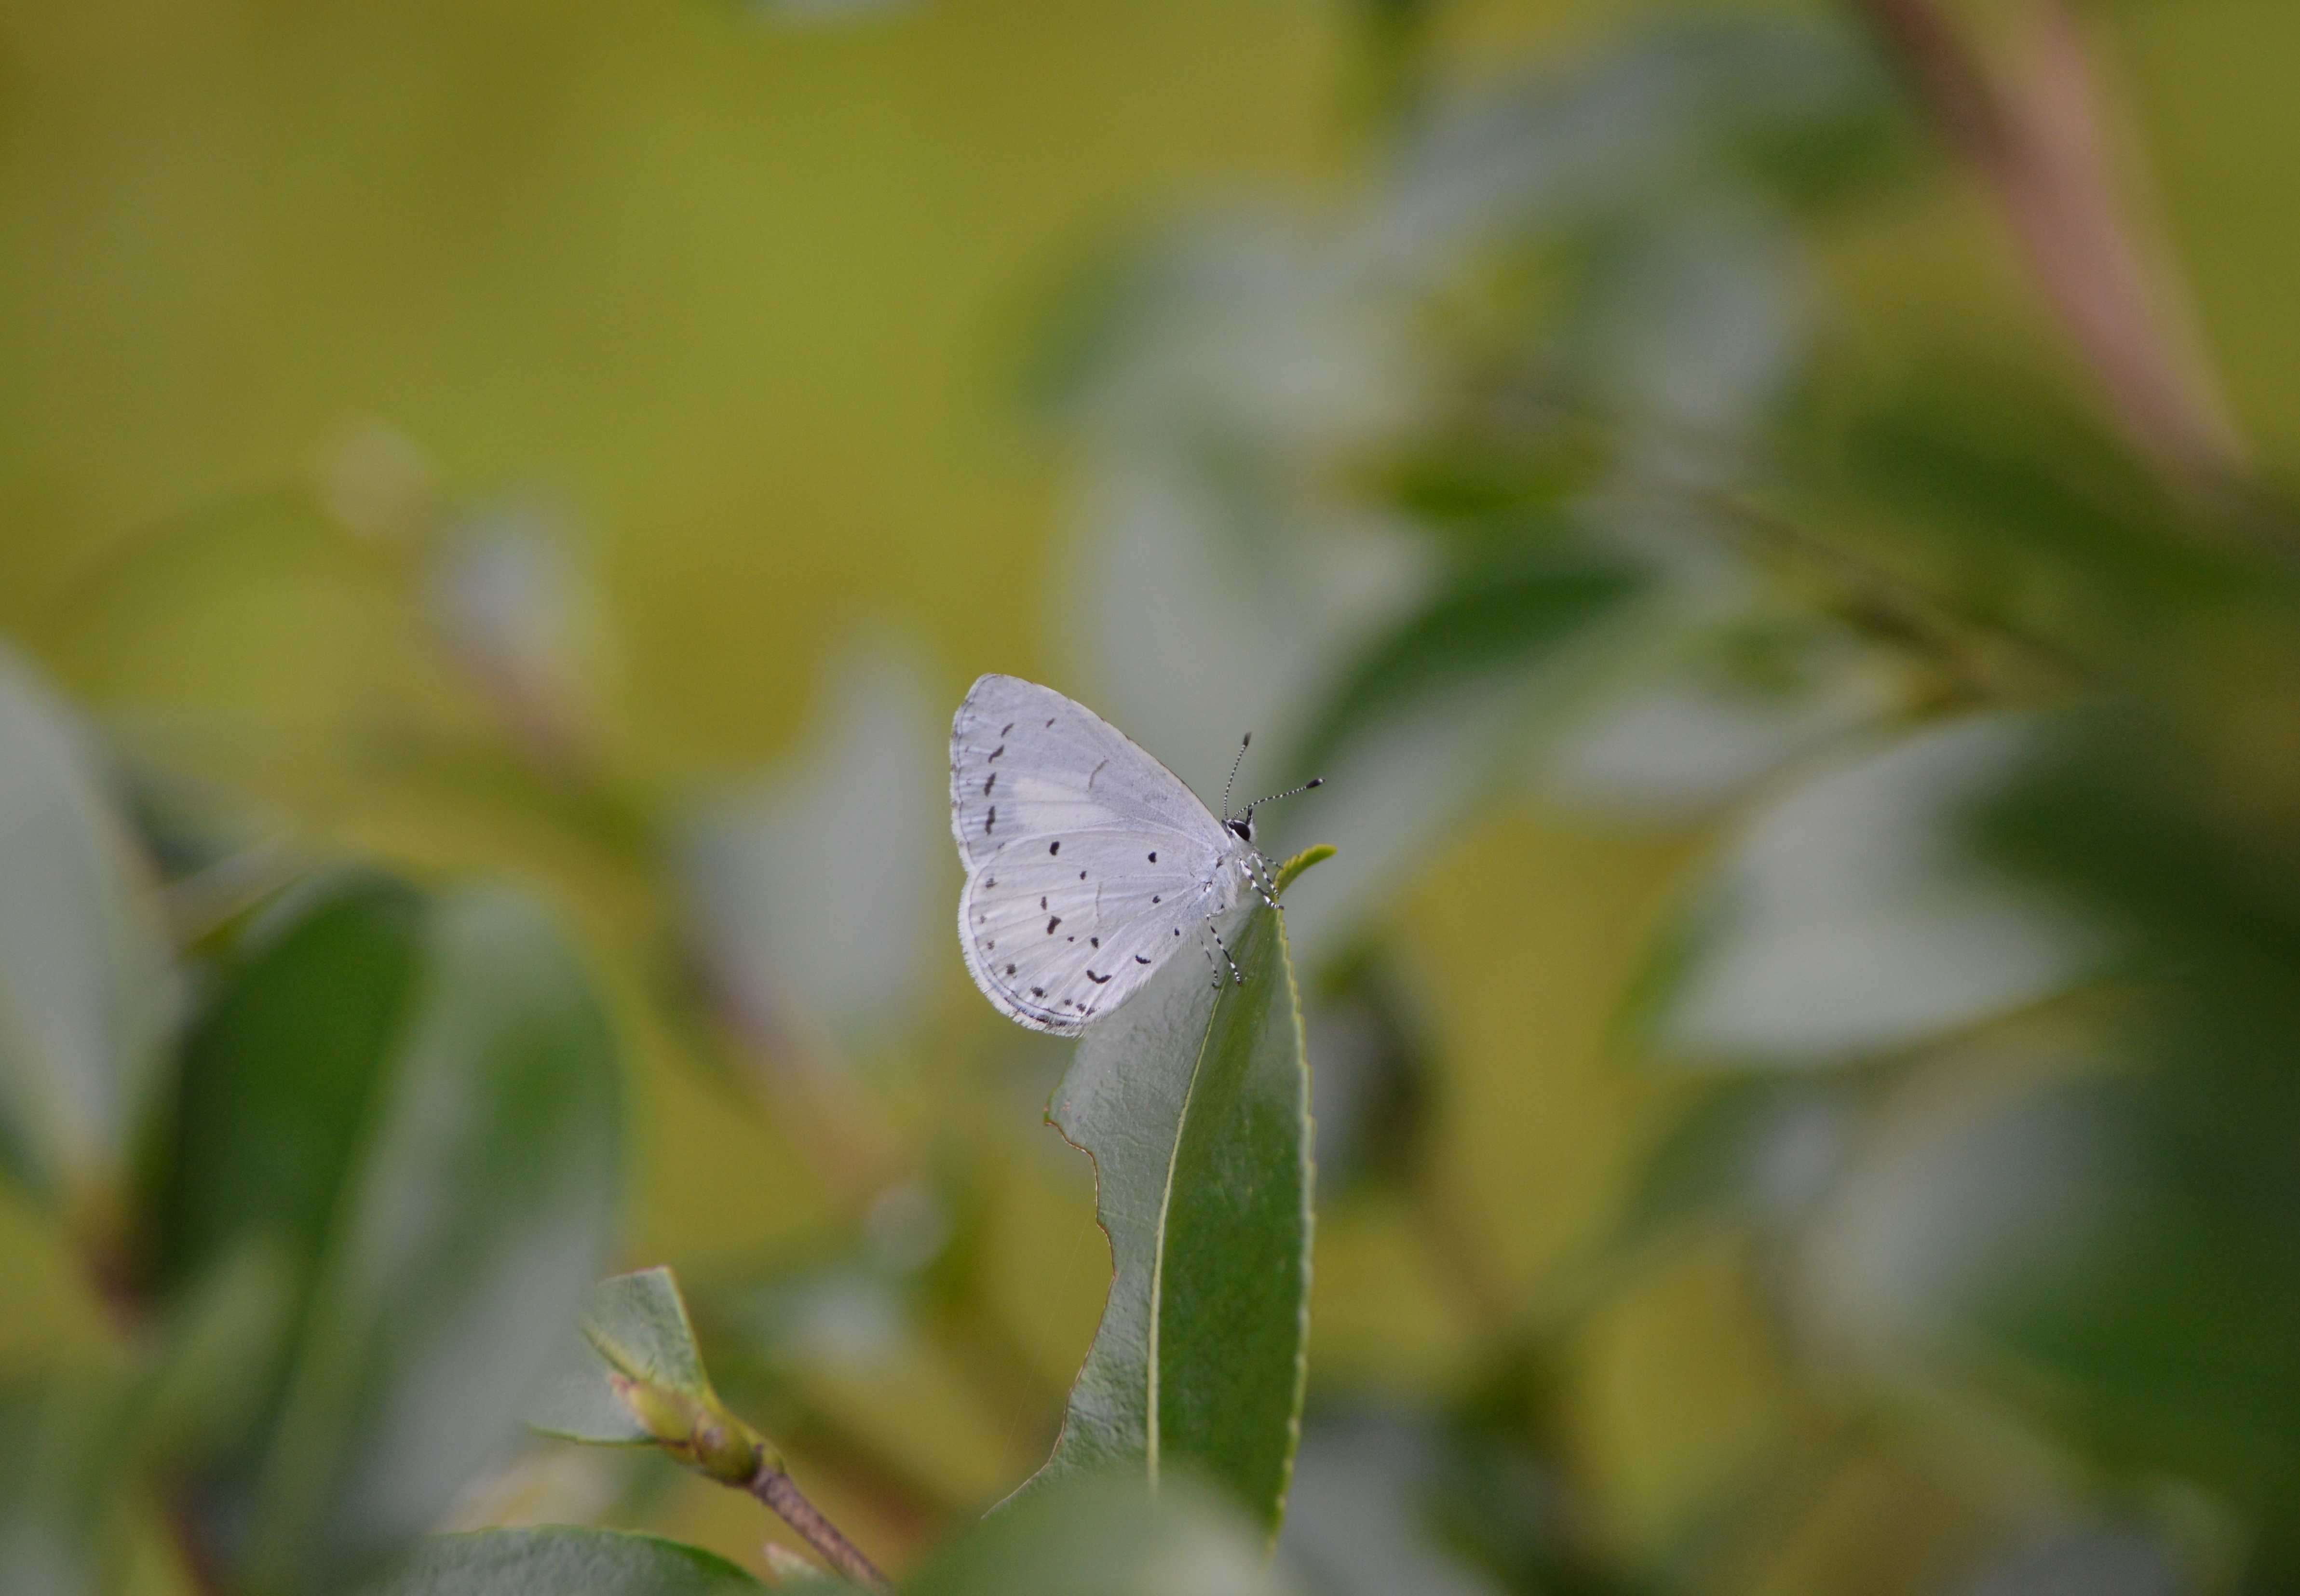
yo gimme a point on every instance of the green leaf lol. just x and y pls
(2102, 1256)
(1193, 1101)
(411, 1102)
(560, 1561)
(1501, 614)
(1442, 710)
(1757, 1147)
(86, 984)
(1105, 1536)
(628, 1373)
(60, 1494)
(1857, 914)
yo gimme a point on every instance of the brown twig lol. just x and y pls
(775, 1488)
(2041, 141)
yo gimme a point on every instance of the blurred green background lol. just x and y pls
(1632, 449)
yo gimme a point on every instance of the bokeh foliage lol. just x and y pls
(1801, 1014)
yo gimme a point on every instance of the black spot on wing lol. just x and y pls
(1055, 846)
(1138, 959)
(1097, 980)
(1052, 921)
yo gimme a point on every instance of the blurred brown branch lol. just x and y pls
(773, 1487)
(2040, 140)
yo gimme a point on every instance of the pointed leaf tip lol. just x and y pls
(1315, 854)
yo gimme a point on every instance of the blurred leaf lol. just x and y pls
(61, 1478)
(412, 1102)
(278, 1072)
(560, 1561)
(1687, 328)
(85, 983)
(1359, 1523)
(2014, 476)
(1193, 1100)
(812, 896)
(209, 1378)
(1759, 1148)
(1994, 499)
(1369, 1094)
(1855, 914)
(2104, 1558)
(1105, 1536)
(511, 599)
(813, 15)
(2070, 1253)
(1211, 599)
(1439, 711)
(1504, 616)
(1737, 703)
(1806, 109)
(1253, 329)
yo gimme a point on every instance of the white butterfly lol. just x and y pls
(1089, 863)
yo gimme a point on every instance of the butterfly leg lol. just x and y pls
(1235, 973)
(1257, 871)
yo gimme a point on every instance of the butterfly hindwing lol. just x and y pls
(1058, 939)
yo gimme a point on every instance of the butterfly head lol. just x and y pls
(1241, 828)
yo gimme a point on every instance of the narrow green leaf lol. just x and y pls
(85, 983)
(560, 1561)
(411, 1103)
(1106, 1536)
(1193, 1101)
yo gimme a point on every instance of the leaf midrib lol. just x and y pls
(1150, 1440)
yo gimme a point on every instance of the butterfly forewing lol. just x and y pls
(1090, 862)
(1022, 756)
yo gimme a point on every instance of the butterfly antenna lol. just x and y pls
(1232, 782)
(1315, 781)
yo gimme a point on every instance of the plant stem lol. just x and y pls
(775, 1488)
(2041, 143)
